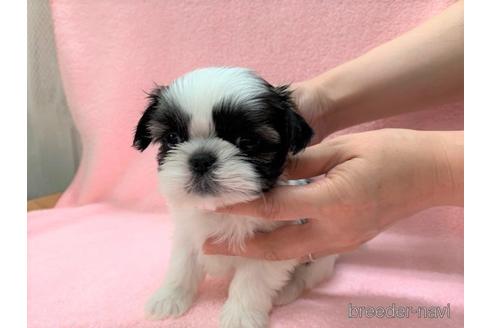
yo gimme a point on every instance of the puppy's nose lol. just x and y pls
(200, 162)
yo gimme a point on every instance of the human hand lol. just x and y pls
(400, 76)
(371, 180)
(315, 106)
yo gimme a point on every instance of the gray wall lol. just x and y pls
(53, 148)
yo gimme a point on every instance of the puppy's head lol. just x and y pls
(224, 135)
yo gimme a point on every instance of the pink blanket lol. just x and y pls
(95, 259)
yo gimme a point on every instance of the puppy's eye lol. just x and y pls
(247, 144)
(172, 139)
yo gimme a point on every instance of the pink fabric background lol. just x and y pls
(95, 258)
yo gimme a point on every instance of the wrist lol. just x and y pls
(345, 96)
(344, 101)
(431, 164)
(449, 168)
(316, 106)
(438, 161)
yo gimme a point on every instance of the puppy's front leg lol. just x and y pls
(180, 284)
(251, 293)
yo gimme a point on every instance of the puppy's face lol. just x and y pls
(224, 135)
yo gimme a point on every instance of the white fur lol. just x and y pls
(256, 284)
(233, 174)
(198, 91)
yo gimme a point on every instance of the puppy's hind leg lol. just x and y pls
(305, 276)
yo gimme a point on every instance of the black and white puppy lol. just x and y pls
(224, 135)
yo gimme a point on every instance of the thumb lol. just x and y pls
(316, 160)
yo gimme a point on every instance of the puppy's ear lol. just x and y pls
(143, 137)
(300, 132)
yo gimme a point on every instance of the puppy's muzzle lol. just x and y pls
(201, 162)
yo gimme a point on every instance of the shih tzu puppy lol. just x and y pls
(224, 135)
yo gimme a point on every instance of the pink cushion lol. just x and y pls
(95, 258)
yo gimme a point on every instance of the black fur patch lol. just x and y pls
(273, 109)
(159, 120)
(142, 136)
(265, 129)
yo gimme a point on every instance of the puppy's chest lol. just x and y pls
(197, 226)
(232, 230)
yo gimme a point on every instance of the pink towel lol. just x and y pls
(95, 259)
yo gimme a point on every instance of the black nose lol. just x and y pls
(201, 162)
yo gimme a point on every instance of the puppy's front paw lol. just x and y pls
(168, 302)
(235, 315)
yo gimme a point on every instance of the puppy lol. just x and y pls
(224, 135)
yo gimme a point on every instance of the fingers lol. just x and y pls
(302, 242)
(281, 203)
(336, 245)
(331, 245)
(273, 246)
(331, 251)
(315, 160)
(294, 202)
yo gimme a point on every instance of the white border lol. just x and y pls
(13, 178)
(478, 182)
(478, 163)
